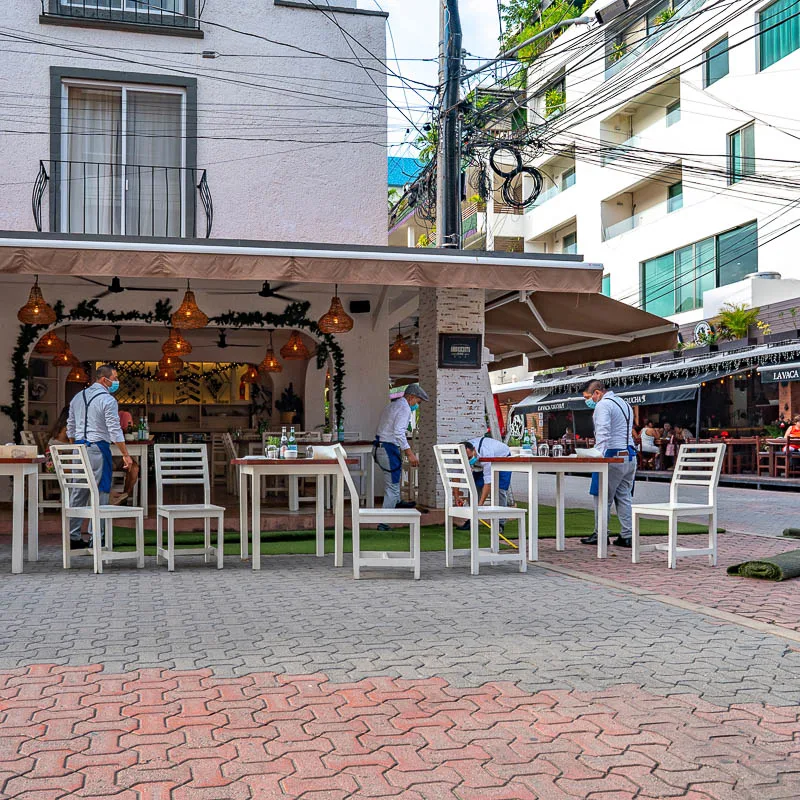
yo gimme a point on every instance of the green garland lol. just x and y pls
(293, 316)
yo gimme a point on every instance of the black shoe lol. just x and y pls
(623, 541)
(406, 504)
(77, 544)
(383, 527)
(464, 526)
(591, 539)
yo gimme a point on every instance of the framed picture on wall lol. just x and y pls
(460, 350)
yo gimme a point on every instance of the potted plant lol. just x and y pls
(289, 405)
(617, 51)
(736, 320)
(664, 16)
(327, 432)
(555, 101)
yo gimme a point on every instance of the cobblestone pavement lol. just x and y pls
(740, 510)
(299, 682)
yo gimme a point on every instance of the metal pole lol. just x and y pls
(697, 417)
(448, 177)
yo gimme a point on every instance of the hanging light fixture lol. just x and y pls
(270, 363)
(66, 358)
(336, 319)
(176, 345)
(165, 375)
(170, 363)
(295, 349)
(78, 374)
(189, 316)
(400, 349)
(49, 345)
(250, 374)
(36, 311)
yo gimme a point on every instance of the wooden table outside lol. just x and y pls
(749, 445)
(18, 469)
(257, 467)
(533, 466)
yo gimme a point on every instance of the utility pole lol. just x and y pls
(448, 163)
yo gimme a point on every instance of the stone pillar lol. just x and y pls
(456, 408)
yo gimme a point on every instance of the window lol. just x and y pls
(779, 32)
(658, 15)
(569, 244)
(152, 6)
(673, 113)
(567, 178)
(123, 158)
(674, 197)
(715, 62)
(741, 153)
(555, 99)
(676, 281)
(606, 288)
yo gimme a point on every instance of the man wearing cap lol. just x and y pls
(391, 442)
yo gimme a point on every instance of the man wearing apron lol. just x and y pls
(486, 447)
(391, 442)
(94, 421)
(613, 424)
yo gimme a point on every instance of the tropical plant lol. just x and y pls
(393, 196)
(427, 143)
(735, 320)
(617, 51)
(555, 100)
(708, 337)
(289, 401)
(664, 16)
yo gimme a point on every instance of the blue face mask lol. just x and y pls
(114, 386)
(589, 402)
(415, 407)
(473, 461)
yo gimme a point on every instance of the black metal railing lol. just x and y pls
(130, 200)
(158, 13)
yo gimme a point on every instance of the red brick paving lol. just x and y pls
(693, 580)
(155, 734)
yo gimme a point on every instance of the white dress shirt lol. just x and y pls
(491, 448)
(103, 421)
(613, 419)
(393, 423)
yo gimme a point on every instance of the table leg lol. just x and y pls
(255, 522)
(242, 513)
(370, 482)
(602, 512)
(560, 531)
(18, 522)
(143, 478)
(338, 556)
(33, 516)
(533, 515)
(294, 494)
(321, 492)
(495, 487)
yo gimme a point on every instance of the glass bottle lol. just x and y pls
(284, 443)
(292, 443)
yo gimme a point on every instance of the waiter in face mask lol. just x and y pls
(613, 424)
(94, 421)
(486, 447)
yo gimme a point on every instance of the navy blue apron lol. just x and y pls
(393, 454)
(612, 452)
(105, 447)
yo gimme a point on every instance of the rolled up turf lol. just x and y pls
(781, 567)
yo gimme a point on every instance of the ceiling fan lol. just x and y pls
(117, 340)
(266, 292)
(222, 342)
(116, 287)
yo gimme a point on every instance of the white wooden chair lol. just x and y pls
(697, 465)
(75, 473)
(456, 476)
(186, 465)
(231, 471)
(394, 516)
(46, 479)
(28, 438)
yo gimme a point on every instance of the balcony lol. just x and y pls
(634, 221)
(123, 199)
(165, 16)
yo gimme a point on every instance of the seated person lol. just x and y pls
(793, 432)
(648, 436)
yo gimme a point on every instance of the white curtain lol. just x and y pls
(90, 176)
(154, 199)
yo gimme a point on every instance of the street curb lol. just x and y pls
(726, 616)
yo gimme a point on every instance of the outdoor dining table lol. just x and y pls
(747, 447)
(138, 450)
(18, 469)
(257, 467)
(533, 467)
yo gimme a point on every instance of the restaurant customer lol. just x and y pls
(486, 447)
(94, 421)
(391, 441)
(613, 419)
(649, 447)
(793, 432)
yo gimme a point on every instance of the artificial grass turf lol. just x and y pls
(579, 522)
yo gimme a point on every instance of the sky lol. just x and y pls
(414, 24)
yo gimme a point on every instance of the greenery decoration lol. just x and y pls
(293, 316)
(664, 16)
(555, 100)
(735, 320)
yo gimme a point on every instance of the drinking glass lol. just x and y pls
(544, 449)
(558, 451)
(310, 451)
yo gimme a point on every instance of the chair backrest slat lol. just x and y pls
(181, 464)
(341, 457)
(698, 465)
(455, 472)
(74, 472)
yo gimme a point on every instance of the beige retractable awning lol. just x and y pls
(557, 329)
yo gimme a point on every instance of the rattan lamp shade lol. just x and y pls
(36, 311)
(165, 375)
(295, 349)
(270, 362)
(170, 363)
(250, 374)
(189, 316)
(65, 359)
(78, 375)
(336, 319)
(176, 345)
(50, 345)
(400, 350)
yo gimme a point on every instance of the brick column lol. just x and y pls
(456, 407)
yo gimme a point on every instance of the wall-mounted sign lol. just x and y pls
(780, 374)
(460, 350)
(702, 330)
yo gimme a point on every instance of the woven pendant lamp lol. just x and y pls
(78, 375)
(66, 358)
(170, 363)
(336, 319)
(165, 375)
(189, 316)
(36, 311)
(176, 345)
(50, 345)
(295, 349)
(400, 349)
(251, 374)
(270, 362)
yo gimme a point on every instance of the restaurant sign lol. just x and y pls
(780, 374)
(460, 350)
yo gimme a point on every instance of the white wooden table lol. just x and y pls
(18, 469)
(533, 466)
(257, 467)
(138, 450)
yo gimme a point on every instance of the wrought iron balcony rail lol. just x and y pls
(123, 200)
(158, 13)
